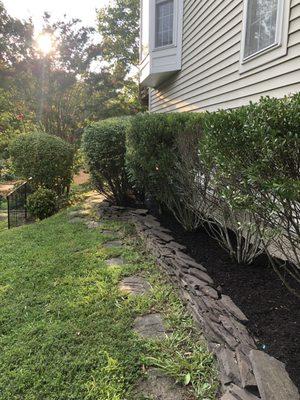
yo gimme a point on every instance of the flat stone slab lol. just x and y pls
(76, 220)
(115, 261)
(134, 285)
(106, 232)
(233, 309)
(236, 393)
(272, 378)
(113, 243)
(158, 386)
(79, 213)
(94, 224)
(150, 326)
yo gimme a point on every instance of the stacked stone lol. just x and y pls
(245, 372)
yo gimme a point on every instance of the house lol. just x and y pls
(209, 54)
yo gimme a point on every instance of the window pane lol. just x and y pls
(164, 23)
(260, 25)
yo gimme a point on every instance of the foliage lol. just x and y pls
(62, 91)
(42, 203)
(159, 148)
(14, 119)
(234, 170)
(104, 146)
(256, 151)
(118, 24)
(47, 159)
(16, 38)
(65, 321)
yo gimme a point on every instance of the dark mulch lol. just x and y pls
(273, 312)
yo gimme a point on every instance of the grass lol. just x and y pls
(65, 328)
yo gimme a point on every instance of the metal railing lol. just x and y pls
(17, 213)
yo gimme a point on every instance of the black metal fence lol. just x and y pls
(17, 212)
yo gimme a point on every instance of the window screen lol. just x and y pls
(164, 23)
(261, 25)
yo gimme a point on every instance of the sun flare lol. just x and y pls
(45, 43)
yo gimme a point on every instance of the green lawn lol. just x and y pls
(66, 330)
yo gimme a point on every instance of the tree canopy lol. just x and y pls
(85, 77)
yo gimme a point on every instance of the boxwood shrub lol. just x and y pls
(104, 147)
(47, 159)
(159, 146)
(255, 151)
(232, 169)
(236, 169)
(42, 203)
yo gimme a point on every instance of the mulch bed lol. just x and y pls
(273, 312)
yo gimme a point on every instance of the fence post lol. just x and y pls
(25, 201)
(8, 216)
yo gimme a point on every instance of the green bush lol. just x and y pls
(160, 147)
(255, 152)
(47, 159)
(236, 169)
(104, 147)
(42, 203)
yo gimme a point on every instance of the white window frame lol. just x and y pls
(155, 25)
(176, 5)
(273, 51)
(163, 61)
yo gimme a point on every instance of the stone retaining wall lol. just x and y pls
(245, 372)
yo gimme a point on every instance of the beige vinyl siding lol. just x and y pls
(210, 77)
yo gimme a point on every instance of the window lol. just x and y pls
(161, 40)
(164, 16)
(262, 26)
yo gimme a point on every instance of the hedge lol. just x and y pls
(104, 147)
(228, 170)
(255, 151)
(158, 146)
(47, 159)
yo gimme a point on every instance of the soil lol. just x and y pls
(81, 178)
(273, 311)
(6, 187)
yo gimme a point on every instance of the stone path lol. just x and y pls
(155, 385)
(115, 261)
(112, 244)
(94, 224)
(150, 326)
(135, 285)
(244, 375)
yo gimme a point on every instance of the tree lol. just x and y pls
(118, 25)
(15, 38)
(80, 80)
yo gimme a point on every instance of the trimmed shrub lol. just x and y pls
(42, 203)
(104, 147)
(236, 170)
(255, 152)
(161, 148)
(47, 159)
